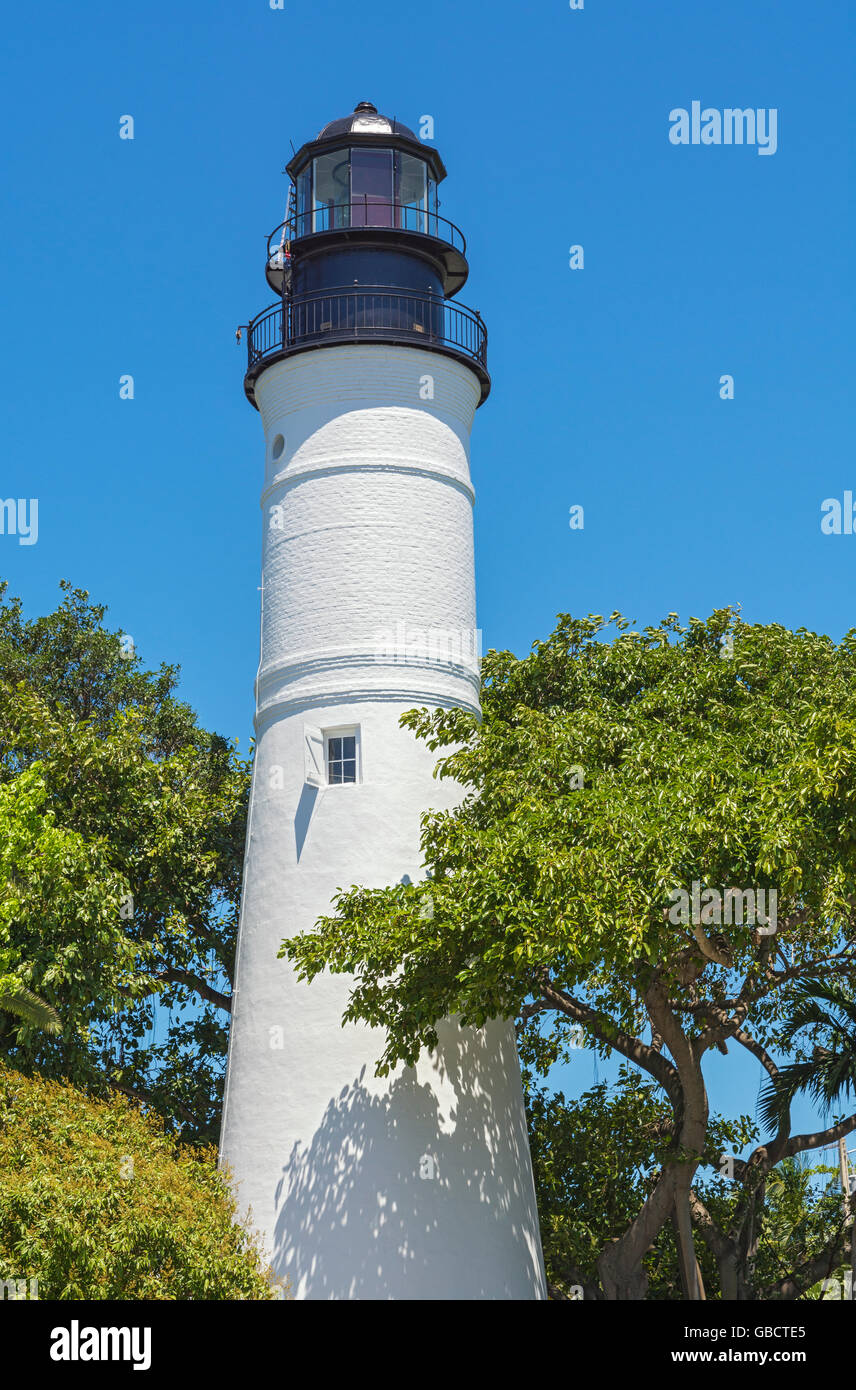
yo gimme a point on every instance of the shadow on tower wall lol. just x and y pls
(419, 1192)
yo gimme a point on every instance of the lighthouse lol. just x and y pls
(367, 373)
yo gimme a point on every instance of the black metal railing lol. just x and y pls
(367, 212)
(366, 314)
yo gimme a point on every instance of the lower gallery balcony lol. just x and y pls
(332, 318)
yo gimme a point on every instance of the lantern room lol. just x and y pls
(368, 184)
(361, 185)
(363, 253)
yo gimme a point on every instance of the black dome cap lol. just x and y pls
(367, 126)
(365, 119)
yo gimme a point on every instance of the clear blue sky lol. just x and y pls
(142, 257)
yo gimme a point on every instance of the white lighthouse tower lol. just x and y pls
(367, 376)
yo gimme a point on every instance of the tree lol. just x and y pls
(596, 1158)
(604, 781)
(97, 1201)
(121, 845)
(594, 1161)
(799, 1240)
(827, 1014)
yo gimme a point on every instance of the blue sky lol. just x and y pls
(142, 256)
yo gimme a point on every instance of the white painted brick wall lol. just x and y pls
(374, 528)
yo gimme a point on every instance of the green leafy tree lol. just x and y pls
(596, 1158)
(97, 1201)
(121, 843)
(604, 778)
(801, 1235)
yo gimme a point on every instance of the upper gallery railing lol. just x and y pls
(366, 212)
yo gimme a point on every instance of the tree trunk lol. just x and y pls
(620, 1265)
(689, 1267)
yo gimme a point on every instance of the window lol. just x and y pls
(331, 756)
(364, 187)
(410, 176)
(304, 205)
(341, 758)
(371, 188)
(330, 191)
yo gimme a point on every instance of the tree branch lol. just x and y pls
(730, 1028)
(144, 1098)
(808, 1273)
(800, 1142)
(715, 1239)
(631, 1048)
(186, 977)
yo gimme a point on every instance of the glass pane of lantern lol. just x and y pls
(432, 208)
(371, 188)
(410, 192)
(304, 193)
(330, 191)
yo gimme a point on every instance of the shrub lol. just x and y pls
(98, 1202)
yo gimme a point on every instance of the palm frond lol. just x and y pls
(778, 1095)
(831, 1074)
(30, 1008)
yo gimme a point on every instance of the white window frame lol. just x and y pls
(340, 731)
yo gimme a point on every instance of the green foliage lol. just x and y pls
(595, 1160)
(736, 771)
(591, 1158)
(97, 1201)
(827, 1013)
(803, 1205)
(121, 845)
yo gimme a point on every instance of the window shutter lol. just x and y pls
(315, 773)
